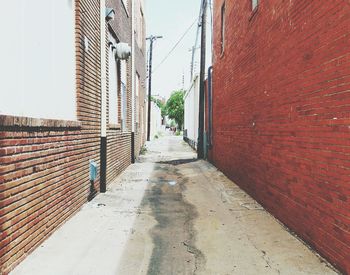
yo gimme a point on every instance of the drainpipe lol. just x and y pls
(200, 146)
(210, 106)
(103, 141)
(133, 74)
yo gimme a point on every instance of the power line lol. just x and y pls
(175, 46)
(201, 10)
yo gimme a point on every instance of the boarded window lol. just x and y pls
(37, 53)
(124, 96)
(140, 29)
(113, 82)
(125, 3)
(138, 84)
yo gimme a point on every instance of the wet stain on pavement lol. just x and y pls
(178, 161)
(173, 236)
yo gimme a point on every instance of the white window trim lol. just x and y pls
(113, 87)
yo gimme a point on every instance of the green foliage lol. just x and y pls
(143, 150)
(161, 106)
(175, 107)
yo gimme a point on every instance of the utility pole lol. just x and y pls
(193, 51)
(151, 38)
(200, 148)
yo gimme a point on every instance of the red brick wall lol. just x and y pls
(282, 114)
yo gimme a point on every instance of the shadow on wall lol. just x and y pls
(93, 192)
(93, 168)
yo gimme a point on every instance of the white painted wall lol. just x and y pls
(156, 120)
(192, 109)
(37, 59)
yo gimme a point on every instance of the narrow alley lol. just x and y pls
(170, 213)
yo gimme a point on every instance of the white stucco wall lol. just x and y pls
(37, 59)
(192, 109)
(156, 120)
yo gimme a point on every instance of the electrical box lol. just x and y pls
(93, 170)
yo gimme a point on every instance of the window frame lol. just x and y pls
(125, 4)
(123, 65)
(255, 4)
(113, 40)
(140, 29)
(137, 95)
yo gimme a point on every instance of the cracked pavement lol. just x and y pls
(172, 214)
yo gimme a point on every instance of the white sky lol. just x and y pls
(171, 18)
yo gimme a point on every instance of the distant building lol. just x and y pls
(65, 100)
(191, 109)
(281, 113)
(156, 121)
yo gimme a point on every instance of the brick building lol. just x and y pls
(281, 113)
(61, 90)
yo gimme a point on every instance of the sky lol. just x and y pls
(171, 19)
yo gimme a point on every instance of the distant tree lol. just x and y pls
(175, 107)
(160, 105)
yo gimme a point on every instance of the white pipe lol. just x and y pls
(103, 68)
(133, 69)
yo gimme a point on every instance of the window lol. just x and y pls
(125, 3)
(123, 91)
(113, 78)
(137, 92)
(140, 29)
(223, 15)
(37, 53)
(255, 4)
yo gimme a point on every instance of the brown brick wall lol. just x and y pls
(121, 27)
(44, 171)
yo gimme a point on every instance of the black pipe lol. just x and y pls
(132, 147)
(210, 107)
(103, 164)
(200, 146)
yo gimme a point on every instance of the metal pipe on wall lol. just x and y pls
(103, 141)
(133, 78)
(210, 107)
(200, 147)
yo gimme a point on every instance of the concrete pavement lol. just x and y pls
(172, 214)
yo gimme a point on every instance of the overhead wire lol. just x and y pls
(181, 38)
(175, 46)
(199, 25)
